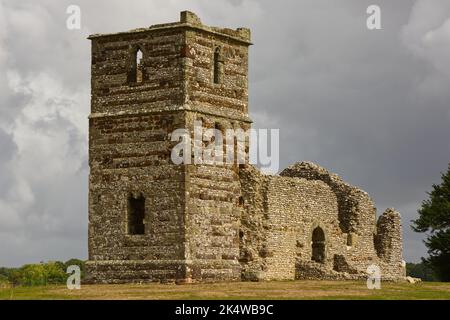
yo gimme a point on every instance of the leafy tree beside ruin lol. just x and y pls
(434, 219)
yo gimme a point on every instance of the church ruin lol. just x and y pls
(153, 220)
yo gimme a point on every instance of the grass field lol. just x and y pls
(240, 290)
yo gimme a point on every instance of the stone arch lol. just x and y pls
(318, 244)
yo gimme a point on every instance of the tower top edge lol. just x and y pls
(188, 20)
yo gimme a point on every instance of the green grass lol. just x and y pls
(239, 290)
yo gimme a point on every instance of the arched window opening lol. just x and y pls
(318, 245)
(216, 68)
(136, 214)
(139, 66)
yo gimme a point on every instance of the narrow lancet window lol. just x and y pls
(216, 67)
(139, 66)
(136, 214)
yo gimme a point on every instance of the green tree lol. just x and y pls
(54, 273)
(32, 275)
(4, 281)
(15, 277)
(5, 271)
(434, 219)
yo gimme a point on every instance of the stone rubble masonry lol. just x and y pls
(281, 212)
(209, 222)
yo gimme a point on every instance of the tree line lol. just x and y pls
(40, 274)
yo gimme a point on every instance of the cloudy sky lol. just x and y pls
(372, 106)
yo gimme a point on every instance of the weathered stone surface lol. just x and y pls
(152, 220)
(282, 212)
(413, 280)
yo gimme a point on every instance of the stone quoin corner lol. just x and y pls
(153, 220)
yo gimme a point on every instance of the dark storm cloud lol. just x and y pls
(351, 100)
(7, 150)
(372, 106)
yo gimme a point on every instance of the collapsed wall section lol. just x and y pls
(347, 195)
(297, 226)
(253, 228)
(388, 244)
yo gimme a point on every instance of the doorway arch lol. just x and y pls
(318, 245)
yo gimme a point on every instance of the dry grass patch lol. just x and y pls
(238, 290)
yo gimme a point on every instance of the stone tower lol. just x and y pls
(151, 219)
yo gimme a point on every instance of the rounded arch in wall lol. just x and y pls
(318, 240)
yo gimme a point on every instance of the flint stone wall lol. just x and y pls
(281, 212)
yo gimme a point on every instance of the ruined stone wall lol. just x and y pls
(252, 233)
(305, 197)
(388, 243)
(295, 207)
(356, 217)
(349, 214)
